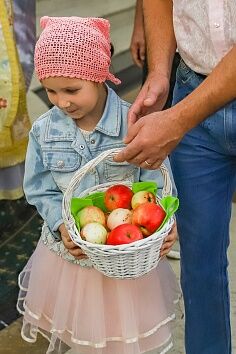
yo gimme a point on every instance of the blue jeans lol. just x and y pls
(204, 168)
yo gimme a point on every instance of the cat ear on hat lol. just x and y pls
(103, 25)
(44, 21)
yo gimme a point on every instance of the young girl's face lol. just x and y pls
(82, 100)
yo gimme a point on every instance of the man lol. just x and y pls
(138, 53)
(200, 129)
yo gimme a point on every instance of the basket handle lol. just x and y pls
(167, 188)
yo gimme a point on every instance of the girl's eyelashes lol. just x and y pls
(72, 90)
(50, 91)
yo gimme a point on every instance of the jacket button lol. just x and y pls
(92, 141)
(82, 147)
(60, 163)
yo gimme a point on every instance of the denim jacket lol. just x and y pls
(57, 149)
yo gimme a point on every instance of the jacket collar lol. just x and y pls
(110, 121)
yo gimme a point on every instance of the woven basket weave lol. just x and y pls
(124, 261)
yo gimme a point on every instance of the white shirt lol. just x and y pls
(205, 31)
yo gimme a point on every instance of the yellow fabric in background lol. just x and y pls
(14, 119)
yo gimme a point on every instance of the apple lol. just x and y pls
(142, 197)
(90, 214)
(148, 217)
(125, 233)
(94, 233)
(118, 196)
(119, 216)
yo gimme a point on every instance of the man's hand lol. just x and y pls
(155, 135)
(169, 241)
(151, 98)
(151, 139)
(138, 46)
(138, 42)
(73, 249)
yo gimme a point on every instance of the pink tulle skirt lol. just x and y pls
(79, 308)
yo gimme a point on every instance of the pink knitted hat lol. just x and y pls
(74, 47)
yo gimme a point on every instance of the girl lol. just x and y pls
(61, 295)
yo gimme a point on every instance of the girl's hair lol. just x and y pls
(74, 47)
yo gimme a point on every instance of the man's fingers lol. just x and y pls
(134, 113)
(124, 155)
(139, 62)
(152, 96)
(142, 53)
(136, 59)
(120, 157)
(129, 153)
(138, 108)
(133, 131)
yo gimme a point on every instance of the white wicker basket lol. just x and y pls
(124, 261)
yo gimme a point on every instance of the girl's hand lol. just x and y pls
(3, 103)
(73, 249)
(169, 241)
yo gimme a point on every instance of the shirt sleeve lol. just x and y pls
(40, 188)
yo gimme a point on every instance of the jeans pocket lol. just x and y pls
(221, 126)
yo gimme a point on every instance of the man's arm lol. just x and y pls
(160, 38)
(154, 136)
(138, 45)
(161, 46)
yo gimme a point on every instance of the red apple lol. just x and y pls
(118, 196)
(148, 217)
(142, 197)
(94, 233)
(119, 216)
(125, 233)
(90, 214)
